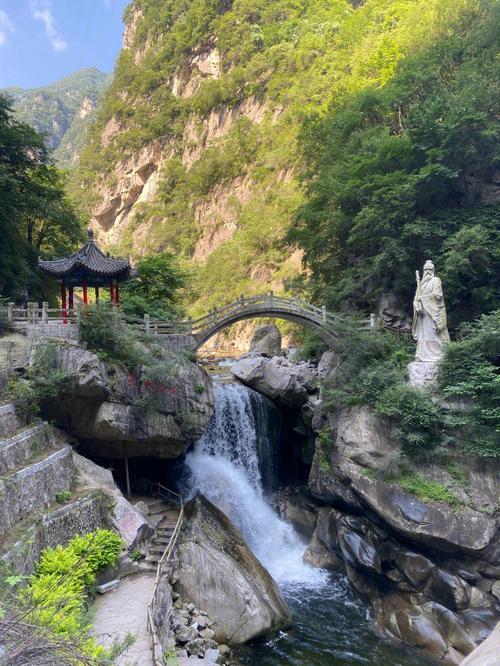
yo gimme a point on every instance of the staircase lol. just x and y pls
(163, 516)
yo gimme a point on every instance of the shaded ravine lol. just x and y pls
(232, 465)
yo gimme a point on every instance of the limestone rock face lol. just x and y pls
(266, 340)
(127, 411)
(215, 569)
(277, 378)
(126, 519)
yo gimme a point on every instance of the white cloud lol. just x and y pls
(42, 11)
(5, 26)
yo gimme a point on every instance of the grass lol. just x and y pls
(425, 490)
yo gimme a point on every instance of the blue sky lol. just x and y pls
(43, 40)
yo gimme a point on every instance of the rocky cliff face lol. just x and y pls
(196, 147)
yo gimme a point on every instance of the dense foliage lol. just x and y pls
(280, 63)
(407, 169)
(55, 600)
(156, 289)
(36, 217)
(372, 371)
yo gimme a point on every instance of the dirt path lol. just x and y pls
(124, 610)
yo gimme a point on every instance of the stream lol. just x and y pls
(234, 465)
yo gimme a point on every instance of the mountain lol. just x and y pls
(202, 143)
(63, 110)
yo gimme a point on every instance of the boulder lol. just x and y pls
(215, 569)
(266, 340)
(415, 567)
(132, 526)
(283, 382)
(302, 512)
(130, 411)
(450, 591)
(439, 526)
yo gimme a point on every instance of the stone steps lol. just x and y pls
(27, 444)
(8, 421)
(35, 487)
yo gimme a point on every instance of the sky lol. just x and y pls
(41, 41)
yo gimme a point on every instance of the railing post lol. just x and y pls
(271, 298)
(10, 313)
(147, 323)
(242, 301)
(190, 325)
(155, 328)
(323, 314)
(372, 321)
(45, 314)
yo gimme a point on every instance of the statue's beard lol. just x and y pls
(427, 277)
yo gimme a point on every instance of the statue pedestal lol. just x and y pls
(422, 373)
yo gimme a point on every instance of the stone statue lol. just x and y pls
(429, 327)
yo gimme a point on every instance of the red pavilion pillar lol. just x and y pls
(85, 296)
(71, 301)
(111, 292)
(117, 293)
(63, 301)
(97, 295)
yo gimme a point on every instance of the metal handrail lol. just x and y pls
(162, 566)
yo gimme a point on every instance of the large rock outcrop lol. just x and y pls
(266, 340)
(288, 384)
(216, 570)
(133, 413)
(429, 568)
(130, 524)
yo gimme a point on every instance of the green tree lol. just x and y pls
(156, 289)
(405, 171)
(35, 217)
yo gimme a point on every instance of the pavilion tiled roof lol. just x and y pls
(89, 259)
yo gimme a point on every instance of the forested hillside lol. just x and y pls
(62, 111)
(240, 134)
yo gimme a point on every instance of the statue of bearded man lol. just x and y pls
(429, 317)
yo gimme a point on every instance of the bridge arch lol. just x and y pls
(268, 306)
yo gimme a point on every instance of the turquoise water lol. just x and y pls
(331, 628)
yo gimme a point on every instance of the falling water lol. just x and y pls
(230, 464)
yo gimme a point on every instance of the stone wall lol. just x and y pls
(35, 487)
(80, 516)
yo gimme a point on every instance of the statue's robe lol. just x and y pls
(429, 324)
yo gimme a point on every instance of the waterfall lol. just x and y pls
(227, 467)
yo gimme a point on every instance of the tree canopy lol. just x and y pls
(36, 217)
(406, 171)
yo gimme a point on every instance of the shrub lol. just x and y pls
(104, 333)
(63, 496)
(56, 596)
(23, 395)
(372, 371)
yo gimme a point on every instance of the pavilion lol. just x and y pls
(88, 267)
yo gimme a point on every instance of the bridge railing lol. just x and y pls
(269, 304)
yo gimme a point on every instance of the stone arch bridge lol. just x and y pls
(190, 334)
(193, 334)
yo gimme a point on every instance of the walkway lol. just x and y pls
(124, 610)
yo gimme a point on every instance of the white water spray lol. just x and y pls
(225, 468)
